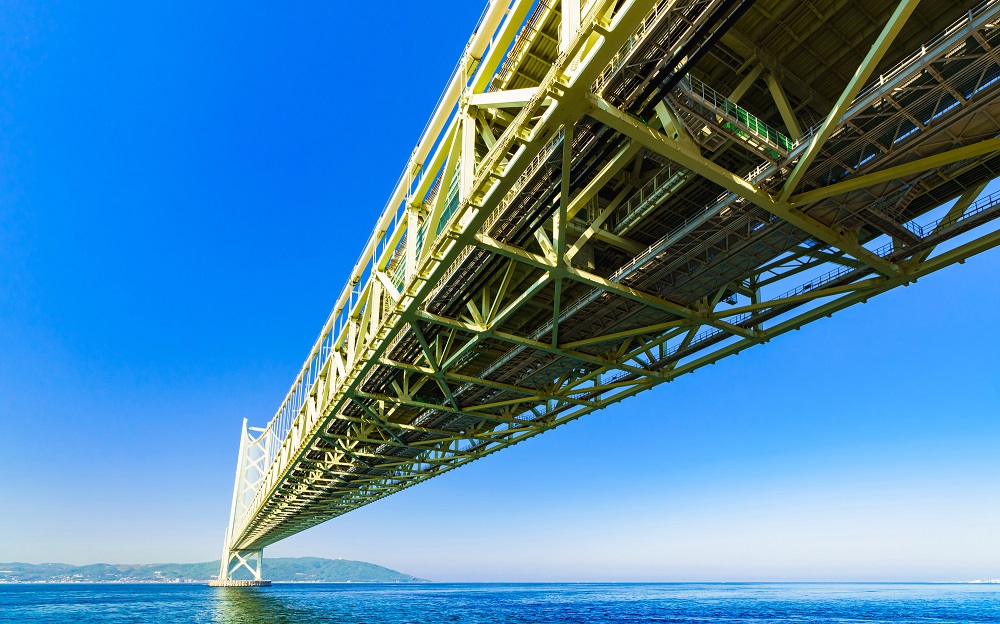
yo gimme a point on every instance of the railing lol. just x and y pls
(649, 195)
(720, 203)
(522, 42)
(720, 103)
(536, 163)
(983, 204)
(659, 9)
(818, 282)
(921, 54)
(913, 62)
(332, 333)
(882, 206)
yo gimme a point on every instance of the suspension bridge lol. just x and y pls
(613, 193)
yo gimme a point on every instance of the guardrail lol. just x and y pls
(941, 225)
(981, 205)
(394, 215)
(921, 54)
(712, 98)
(378, 245)
(618, 60)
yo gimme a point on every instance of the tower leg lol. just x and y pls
(236, 565)
(241, 563)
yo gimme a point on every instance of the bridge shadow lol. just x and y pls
(248, 605)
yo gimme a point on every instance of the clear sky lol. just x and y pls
(184, 188)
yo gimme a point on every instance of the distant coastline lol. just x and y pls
(278, 569)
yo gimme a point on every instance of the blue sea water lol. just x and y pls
(433, 603)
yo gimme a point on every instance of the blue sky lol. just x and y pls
(183, 190)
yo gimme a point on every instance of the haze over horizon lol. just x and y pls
(184, 191)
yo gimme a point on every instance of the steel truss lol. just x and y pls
(586, 218)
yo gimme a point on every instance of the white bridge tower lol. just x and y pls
(251, 465)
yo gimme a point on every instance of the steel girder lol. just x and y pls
(548, 252)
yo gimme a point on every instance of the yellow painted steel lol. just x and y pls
(548, 252)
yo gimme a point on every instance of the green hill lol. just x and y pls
(279, 569)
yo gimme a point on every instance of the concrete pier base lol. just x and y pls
(234, 583)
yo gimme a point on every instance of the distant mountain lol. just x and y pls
(287, 569)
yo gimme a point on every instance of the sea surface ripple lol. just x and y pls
(480, 603)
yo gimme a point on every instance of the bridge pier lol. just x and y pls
(235, 560)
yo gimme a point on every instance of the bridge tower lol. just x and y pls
(253, 459)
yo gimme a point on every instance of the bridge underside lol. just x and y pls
(622, 193)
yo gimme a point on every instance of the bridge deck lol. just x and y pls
(589, 216)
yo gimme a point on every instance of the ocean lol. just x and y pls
(481, 603)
